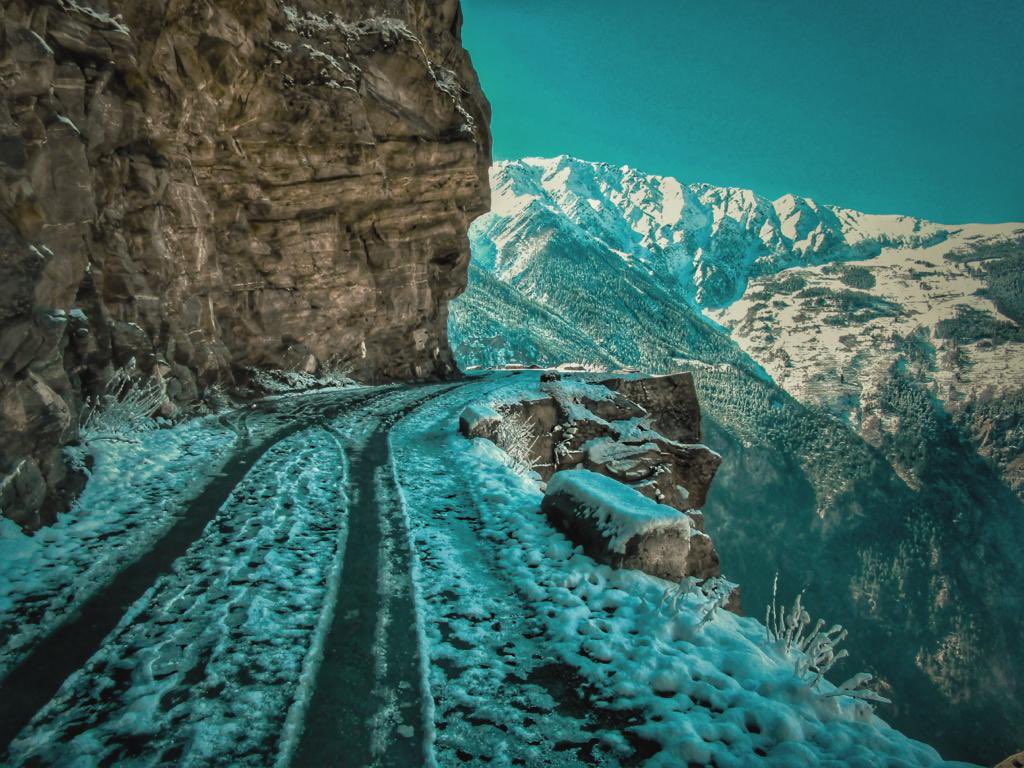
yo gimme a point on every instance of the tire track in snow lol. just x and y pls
(367, 706)
(28, 687)
(203, 668)
(502, 696)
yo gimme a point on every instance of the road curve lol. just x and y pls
(210, 648)
(336, 596)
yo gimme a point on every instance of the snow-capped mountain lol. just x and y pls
(705, 240)
(856, 291)
(863, 376)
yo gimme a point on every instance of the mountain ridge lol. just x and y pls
(713, 237)
(866, 392)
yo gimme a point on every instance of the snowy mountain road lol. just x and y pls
(340, 578)
(198, 650)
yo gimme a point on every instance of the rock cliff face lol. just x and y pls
(211, 185)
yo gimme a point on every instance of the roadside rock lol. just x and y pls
(627, 494)
(666, 471)
(479, 420)
(617, 525)
(670, 399)
(213, 186)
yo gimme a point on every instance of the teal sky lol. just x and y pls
(899, 106)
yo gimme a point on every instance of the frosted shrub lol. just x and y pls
(814, 650)
(714, 591)
(515, 437)
(125, 408)
(673, 597)
(858, 687)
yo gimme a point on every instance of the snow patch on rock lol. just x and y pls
(621, 512)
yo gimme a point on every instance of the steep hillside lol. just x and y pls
(947, 314)
(891, 518)
(210, 186)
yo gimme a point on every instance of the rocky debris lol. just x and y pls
(479, 420)
(582, 429)
(617, 525)
(671, 399)
(1013, 761)
(214, 186)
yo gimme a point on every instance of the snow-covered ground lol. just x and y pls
(901, 342)
(217, 662)
(136, 492)
(540, 656)
(203, 669)
(508, 647)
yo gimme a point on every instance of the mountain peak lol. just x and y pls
(704, 238)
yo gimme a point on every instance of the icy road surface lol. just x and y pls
(340, 579)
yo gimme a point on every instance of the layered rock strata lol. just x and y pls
(208, 186)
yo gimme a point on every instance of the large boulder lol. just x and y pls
(668, 472)
(617, 525)
(581, 424)
(479, 420)
(671, 400)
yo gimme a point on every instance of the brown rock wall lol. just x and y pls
(218, 184)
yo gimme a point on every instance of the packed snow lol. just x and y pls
(213, 655)
(135, 493)
(524, 650)
(540, 656)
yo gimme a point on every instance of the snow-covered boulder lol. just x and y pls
(479, 420)
(576, 423)
(668, 472)
(616, 524)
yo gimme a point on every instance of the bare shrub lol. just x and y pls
(814, 650)
(515, 436)
(125, 408)
(714, 591)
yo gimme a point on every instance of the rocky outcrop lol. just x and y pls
(617, 525)
(594, 426)
(670, 399)
(591, 429)
(212, 185)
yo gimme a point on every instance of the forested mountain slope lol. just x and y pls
(859, 373)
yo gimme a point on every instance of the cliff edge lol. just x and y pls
(206, 186)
